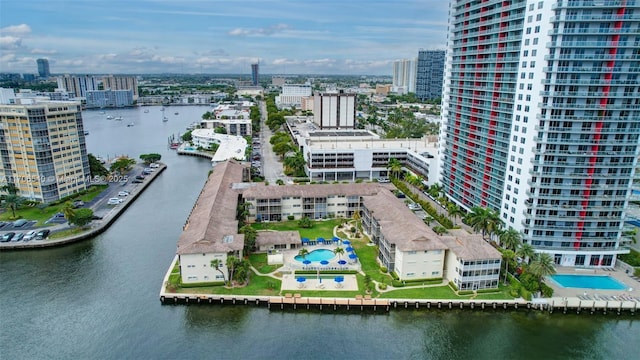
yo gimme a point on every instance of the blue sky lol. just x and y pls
(210, 36)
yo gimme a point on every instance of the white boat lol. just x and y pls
(130, 124)
(146, 110)
(165, 119)
(119, 118)
(109, 117)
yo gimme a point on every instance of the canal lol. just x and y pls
(98, 299)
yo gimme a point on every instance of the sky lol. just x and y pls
(352, 37)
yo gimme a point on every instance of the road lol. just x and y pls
(271, 166)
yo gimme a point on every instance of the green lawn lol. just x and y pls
(68, 232)
(42, 215)
(258, 285)
(437, 292)
(319, 229)
(259, 261)
(502, 293)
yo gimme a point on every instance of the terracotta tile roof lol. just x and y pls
(260, 191)
(470, 247)
(277, 238)
(399, 225)
(212, 226)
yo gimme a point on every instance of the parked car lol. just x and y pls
(78, 204)
(7, 237)
(140, 177)
(148, 170)
(29, 236)
(137, 181)
(154, 165)
(384, 180)
(20, 223)
(18, 237)
(123, 193)
(114, 201)
(42, 234)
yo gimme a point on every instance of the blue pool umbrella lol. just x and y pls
(338, 279)
(306, 262)
(346, 242)
(301, 279)
(349, 248)
(353, 256)
(320, 240)
(324, 262)
(342, 262)
(335, 239)
(305, 240)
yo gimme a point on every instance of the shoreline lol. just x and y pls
(101, 227)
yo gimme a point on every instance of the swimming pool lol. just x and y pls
(317, 255)
(603, 282)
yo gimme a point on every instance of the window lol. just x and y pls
(538, 17)
(537, 29)
(535, 41)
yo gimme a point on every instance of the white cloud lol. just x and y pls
(43, 52)
(259, 31)
(10, 42)
(21, 29)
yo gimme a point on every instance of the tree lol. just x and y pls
(242, 271)
(338, 251)
(215, 263)
(95, 167)
(232, 262)
(81, 217)
(250, 235)
(186, 136)
(68, 211)
(440, 230)
(122, 165)
(13, 203)
(454, 211)
(485, 220)
(507, 257)
(220, 130)
(541, 266)
(395, 167)
(282, 148)
(303, 252)
(526, 252)
(10, 188)
(510, 239)
(150, 158)
(435, 190)
(305, 222)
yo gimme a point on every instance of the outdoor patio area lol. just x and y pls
(326, 282)
(348, 260)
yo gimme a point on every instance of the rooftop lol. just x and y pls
(469, 246)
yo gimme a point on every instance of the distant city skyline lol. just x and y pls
(285, 37)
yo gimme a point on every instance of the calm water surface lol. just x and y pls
(99, 299)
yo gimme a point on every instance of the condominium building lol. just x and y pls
(255, 74)
(121, 83)
(430, 69)
(234, 118)
(42, 149)
(78, 85)
(109, 98)
(404, 76)
(292, 95)
(334, 110)
(541, 120)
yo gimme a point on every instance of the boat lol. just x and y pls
(86, 133)
(130, 124)
(176, 113)
(119, 118)
(165, 119)
(102, 112)
(109, 117)
(146, 110)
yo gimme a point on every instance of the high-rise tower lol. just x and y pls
(43, 68)
(430, 69)
(541, 119)
(254, 74)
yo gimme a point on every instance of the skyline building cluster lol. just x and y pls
(541, 118)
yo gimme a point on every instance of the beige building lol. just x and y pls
(121, 83)
(42, 149)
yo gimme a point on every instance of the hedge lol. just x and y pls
(465, 292)
(201, 284)
(306, 272)
(422, 281)
(484, 291)
(453, 286)
(397, 283)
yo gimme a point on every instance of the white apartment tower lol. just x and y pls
(404, 76)
(541, 119)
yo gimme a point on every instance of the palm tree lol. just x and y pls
(435, 190)
(232, 261)
(507, 257)
(454, 211)
(339, 251)
(526, 251)
(542, 266)
(510, 239)
(303, 252)
(215, 263)
(395, 167)
(477, 218)
(68, 211)
(13, 202)
(494, 223)
(250, 235)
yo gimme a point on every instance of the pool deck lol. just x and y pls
(632, 286)
(289, 282)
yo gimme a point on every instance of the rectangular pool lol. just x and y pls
(603, 282)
